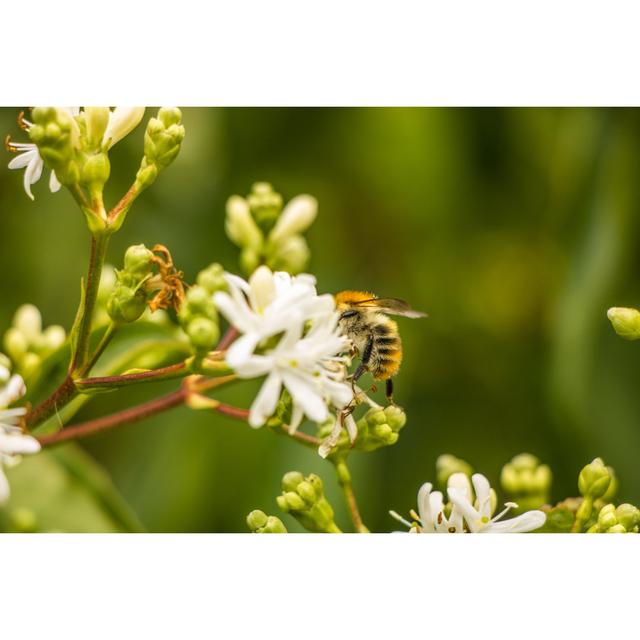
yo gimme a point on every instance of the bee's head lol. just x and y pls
(349, 308)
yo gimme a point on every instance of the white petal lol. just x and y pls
(241, 350)
(13, 444)
(13, 390)
(352, 428)
(424, 510)
(303, 393)
(54, 183)
(262, 288)
(122, 121)
(483, 494)
(471, 516)
(22, 160)
(528, 521)
(296, 418)
(266, 401)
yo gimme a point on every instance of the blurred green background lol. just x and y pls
(514, 228)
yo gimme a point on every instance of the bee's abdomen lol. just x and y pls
(386, 354)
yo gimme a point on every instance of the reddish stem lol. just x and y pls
(172, 370)
(230, 335)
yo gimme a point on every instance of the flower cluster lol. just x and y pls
(290, 334)
(267, 232)
(13, 442)
(469, 510)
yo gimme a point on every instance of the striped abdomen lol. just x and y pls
(386, 353)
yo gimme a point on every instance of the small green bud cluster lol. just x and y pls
(57, 135)
(303, 497)
(259, 522)
(128, 298)
(27, 344)
(380, 427)
(266, 232)
(198, 314)
(162, 141)
(622, 519)
(625, 322)
(526, 481)
(447, 465)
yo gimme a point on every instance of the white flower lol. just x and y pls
(13, 442)
(122, 120)
(467, 515)
(267, 305)
(305, 360)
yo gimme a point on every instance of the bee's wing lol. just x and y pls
(393, 306)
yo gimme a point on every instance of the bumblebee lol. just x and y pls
(374, 336)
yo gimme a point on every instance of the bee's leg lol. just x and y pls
(364, 364)
(389, 391)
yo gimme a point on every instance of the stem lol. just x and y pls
(80, 358)
(230, 335)
(171, 372)
(58, 399)
(135, 414)
(102, 345)
(344, 480)
(125, 203)
(303, 438)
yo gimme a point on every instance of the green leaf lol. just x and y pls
(64, 489)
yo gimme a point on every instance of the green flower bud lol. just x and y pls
(5, 361)
(138, 261)
(594, 479)
(126, 304)
(607, 517)
(163, 138)
(203, 333)
(15, 344)
(249, 260)
(625, 321)
(95, 172)
(29, 364)
(377, 428)
(107, 283)
(527, 481)
(212, 278)
(628, 516)
(447, 465)
(259, 522)
(304, 499)
(198, 301)
(146, 175)
(24, 520)
(616, 528)
(265, 205)
(28, 321)
(54, 336)
(612, 491)
(240, 227)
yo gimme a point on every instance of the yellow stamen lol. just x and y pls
(8, 146)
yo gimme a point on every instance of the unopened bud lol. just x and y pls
(240, 227)
(295, 218)
(628, 516)
(203, 333)
(95, 172)
(265, 205)
(447, 465)
(625, 321)
(54, 337)
(138, 260)
(162, 141)
(260, 522)
(15, 344)
(126, 304)
(212, 278)
(96, 119)
(594, 479)
(290, 254)
(28, 321)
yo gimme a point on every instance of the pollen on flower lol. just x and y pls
(8, 146)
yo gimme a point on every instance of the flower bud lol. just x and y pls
(121, 122)
(54, 337)
(259, 522)
(28, 321)
(146, 175)
(162, 141)
(126, 304)
(249, 260)
(203, 333)
(304, 499)
(95, 172)
(447, 465)
(240, 226)
(607, 517)
(212, 279)
(527, 481)
(29, 364)
(625, 321)
(629, 517)
(378, 428)
(15, 344)
(295, 218)
(265, 205)
(138, 260)
(594, 479)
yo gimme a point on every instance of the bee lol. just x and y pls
(374, 336)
